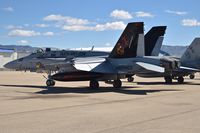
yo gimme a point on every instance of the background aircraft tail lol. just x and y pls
(153, 40)
(191, 57)
(157, 49)
(126, 46)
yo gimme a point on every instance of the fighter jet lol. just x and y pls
(41, 60)
(150, 66)
(126, 58)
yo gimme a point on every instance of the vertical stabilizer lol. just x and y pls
(192, 53)
(151, 39)
(126, 46)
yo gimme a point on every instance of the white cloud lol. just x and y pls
(23, 33)
(121, 14)
(110, 26)
(108, 44)
(42, 25)
(22, 42)
(190, 22)
(66, 19)
(176, 12)
(26, 25)
(99, 27)
(76, 27)
(144, 14)
(8, 9)
(48, 33)
(13, 27)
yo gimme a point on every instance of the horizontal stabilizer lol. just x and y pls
(189, 69)
(151, 67)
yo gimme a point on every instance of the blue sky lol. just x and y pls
(83, 23)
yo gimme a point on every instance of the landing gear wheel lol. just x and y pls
(130, 79)
(53, 82)
(50, 82)
(180, 80)
(94, 84)
(117, 83)
(168, 80)
(192, 76)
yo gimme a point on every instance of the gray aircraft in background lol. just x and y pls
(188, 64)
(43, 60)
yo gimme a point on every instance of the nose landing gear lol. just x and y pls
(50, 82)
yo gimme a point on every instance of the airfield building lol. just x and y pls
(7, 55)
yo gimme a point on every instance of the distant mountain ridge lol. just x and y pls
(19, 48)
(172, 50)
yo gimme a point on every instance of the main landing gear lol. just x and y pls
(130, 79)
(117, 83)
(168, 79)
(192, 76)
(180, 80)
(50, 82)
(94, 84)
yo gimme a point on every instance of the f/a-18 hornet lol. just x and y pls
(126, 58)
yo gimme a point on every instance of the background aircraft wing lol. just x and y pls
(67, 66)
(188, 69)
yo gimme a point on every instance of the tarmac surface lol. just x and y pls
(144, 106)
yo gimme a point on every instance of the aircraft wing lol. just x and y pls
(86, 66)
(151, 67)
(99, 65)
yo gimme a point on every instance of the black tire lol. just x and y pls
(180, 80)
(192, 76)
(130, 79)
(117, 83)
(94, 84)
(168, 80)
(53, 82)
(48, 82)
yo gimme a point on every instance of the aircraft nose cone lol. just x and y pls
(10, 65)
